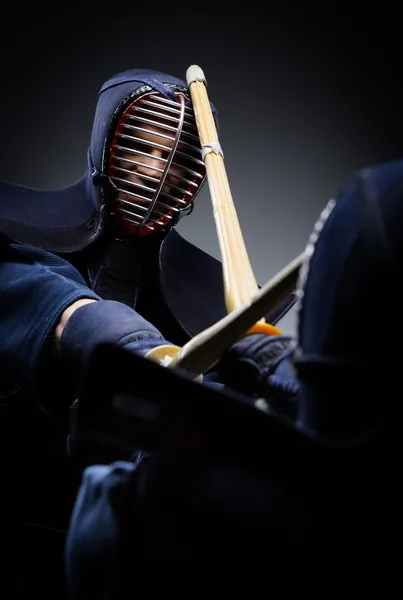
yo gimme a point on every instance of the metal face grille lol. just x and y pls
(155, 164)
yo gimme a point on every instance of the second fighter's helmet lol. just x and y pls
(348, 367)
(150, 168)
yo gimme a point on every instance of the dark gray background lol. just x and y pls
(305, 97)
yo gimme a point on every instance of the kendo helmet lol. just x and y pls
(344, 354)
(150, 168)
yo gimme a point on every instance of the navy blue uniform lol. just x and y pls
(57, 247)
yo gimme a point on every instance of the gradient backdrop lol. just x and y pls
(305, 97)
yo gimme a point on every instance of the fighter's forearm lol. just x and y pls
(66, 315)
(36, 288)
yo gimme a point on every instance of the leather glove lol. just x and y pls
(106, 322)
(259, 364)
